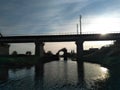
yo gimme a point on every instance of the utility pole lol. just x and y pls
(77, 29)
(80, 25)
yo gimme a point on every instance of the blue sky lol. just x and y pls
(26, 17)
(51, 16)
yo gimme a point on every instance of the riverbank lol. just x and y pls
(106, 56)
(19, 61)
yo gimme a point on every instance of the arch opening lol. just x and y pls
(62, 53)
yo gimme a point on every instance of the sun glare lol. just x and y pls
(103, 25)
(103, 33)
(104, 69)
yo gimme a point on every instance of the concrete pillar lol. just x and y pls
(80, 70)
(65, 54)
(79, 47)
(39, 76)
(39, 49)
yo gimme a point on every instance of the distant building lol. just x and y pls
(4, 49)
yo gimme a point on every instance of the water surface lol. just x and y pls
(56, 75)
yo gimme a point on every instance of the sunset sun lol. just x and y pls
(103, 25)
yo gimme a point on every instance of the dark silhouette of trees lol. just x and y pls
(14, 53)
(49, 53)
(28, 53)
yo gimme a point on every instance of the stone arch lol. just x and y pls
(64, 50)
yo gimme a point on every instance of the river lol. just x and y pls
(56, 75)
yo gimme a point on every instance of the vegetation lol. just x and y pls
(18, 60)
(108, 56)
(26, 59)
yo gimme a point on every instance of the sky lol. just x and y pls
(41, 17)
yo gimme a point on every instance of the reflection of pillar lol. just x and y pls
(65, 71)
(3, 73)
(39, 50)
(80, 69)
(39, 70)
(79, 45)
(39, 76)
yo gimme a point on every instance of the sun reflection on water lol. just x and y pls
(105, 70)
(104, 73)
(95, 72)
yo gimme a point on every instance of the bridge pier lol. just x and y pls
(65, 54)
(39, 49)
(79, 47)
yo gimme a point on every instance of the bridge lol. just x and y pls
(78, 38)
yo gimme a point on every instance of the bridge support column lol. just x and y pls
(39, 49)
(65, 54)
(79, 47)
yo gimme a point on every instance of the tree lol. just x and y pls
(14, 53)
(28, 53)
(49, 53)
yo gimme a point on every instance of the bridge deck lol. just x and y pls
(59, 38)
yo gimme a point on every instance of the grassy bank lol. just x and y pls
(106, 56)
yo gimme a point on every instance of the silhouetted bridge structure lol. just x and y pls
(78, 38)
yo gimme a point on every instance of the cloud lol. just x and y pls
(21, 16)
(44, 16)
(26, 17)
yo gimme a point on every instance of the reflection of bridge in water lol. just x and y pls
(77, 38)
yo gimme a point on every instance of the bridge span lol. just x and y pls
(59, 38)
(78, 38)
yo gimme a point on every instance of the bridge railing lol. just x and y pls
(62, 33)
